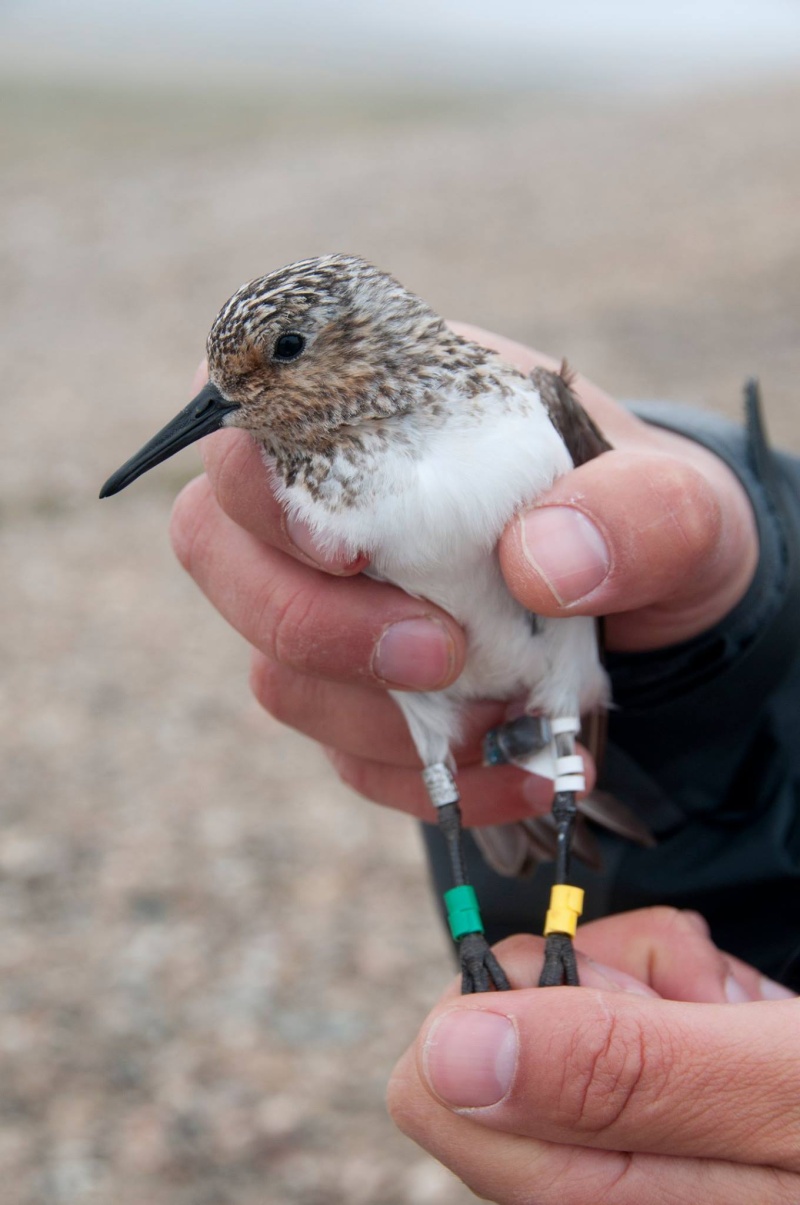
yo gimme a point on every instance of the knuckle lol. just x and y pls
(399, 1108)
(283, 622)
(294, 628)
(607, 1067)
(367, 779)
(270, 687)
(670, 921)
(352, 772)
(697, 922)
(688, 932)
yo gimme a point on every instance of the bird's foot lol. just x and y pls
(560, 966)
(480, 970)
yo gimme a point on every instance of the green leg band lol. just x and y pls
(463, 912)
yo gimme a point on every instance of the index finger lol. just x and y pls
(358, 631)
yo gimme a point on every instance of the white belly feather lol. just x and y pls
(429, 516)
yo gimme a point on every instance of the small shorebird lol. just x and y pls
(404, 442)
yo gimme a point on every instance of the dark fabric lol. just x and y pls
(705, 743)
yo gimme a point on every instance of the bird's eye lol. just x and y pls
(288, 347)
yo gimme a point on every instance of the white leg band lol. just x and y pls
(565, 723)
(441, 785)
(570, 782)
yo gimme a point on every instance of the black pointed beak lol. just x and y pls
(204, 414)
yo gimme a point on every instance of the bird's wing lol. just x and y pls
(583, 438)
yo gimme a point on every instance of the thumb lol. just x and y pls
(645, 538)
(618, 1071)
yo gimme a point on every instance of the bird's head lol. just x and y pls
(323, 344)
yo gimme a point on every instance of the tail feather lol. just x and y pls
(607, 811)
(515, 850)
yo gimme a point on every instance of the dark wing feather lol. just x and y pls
(583, 438)
(605, 809)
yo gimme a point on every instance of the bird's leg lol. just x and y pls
(566, 902)
(479, 967)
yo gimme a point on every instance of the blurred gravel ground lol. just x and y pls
(211, 953)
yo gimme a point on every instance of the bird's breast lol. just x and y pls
(429, 513)
(437, 496)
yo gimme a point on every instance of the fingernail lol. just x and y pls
(470, 1057)
(333, 559)
(419, 653)
(566, 550)
(770, 990)
(735, 993)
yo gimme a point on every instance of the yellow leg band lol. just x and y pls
(566, 905)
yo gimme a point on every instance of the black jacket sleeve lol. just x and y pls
(704, 742)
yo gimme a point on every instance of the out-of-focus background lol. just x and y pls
(210, 952)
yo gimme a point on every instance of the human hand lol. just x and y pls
(642, 1086)
(672, 526)
(657, 535)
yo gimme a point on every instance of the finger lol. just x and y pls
(522, 959)
(619, 1072)
(755, 985)
(672, 951)
(364, 722)
(640, 952)
(641, 537)
(489, 795)
(356, 630)
(245, 487)
(592, 575)
(508, 1169)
